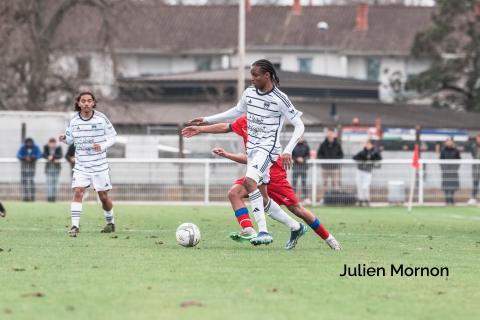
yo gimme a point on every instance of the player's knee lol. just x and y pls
(78, 193)
(233, 194)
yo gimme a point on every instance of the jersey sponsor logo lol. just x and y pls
(256, 120)
(255, 166)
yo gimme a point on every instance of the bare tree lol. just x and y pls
(29, 47)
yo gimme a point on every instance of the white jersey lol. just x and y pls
(266, 113)
(84, 133)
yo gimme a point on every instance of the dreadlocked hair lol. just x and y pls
(267, 66)
(77, 99)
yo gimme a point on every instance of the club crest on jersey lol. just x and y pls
(266, 104)
(94, 126)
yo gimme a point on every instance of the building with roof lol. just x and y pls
(350, 41)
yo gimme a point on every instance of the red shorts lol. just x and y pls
(280, 191)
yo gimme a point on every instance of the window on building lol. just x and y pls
(83, 64)
(373, 68)
(305, 65)
(203, 63)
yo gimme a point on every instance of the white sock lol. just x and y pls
(256, 201)
(76, 209)
(109, 218)
(330, 237)
(249, 231)
(277, 213)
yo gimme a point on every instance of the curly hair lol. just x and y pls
(77, 99)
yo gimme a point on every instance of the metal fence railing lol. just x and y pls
(207, 180)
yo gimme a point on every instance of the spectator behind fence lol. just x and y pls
(475, 150)
(300, 155)
(366, 159)
(70, 156)
(450, 182)
(28, 154)
(52, 153)
(330, 149)
(3, 211)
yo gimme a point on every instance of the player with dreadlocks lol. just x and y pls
(266, 108)
(279, 190)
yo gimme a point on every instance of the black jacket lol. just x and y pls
(301, 150)
(330, 150)
(366, 157)
(449, 153)
(52, 166)
(450, 179)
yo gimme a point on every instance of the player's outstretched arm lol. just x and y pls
(197, 121)
(299, 129)
(191, 131)
(231, 113)
(240, 158)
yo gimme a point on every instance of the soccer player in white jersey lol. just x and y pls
(92, 134)
(266, 108)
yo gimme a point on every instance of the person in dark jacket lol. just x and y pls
(450, 182)
(3, 211)
(28, 154)
(365, 165)
(330, 149)
(52, 153)
(475, 151)
(300, 155)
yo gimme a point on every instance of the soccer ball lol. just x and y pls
(188, 235)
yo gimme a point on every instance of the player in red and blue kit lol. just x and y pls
(279, 189)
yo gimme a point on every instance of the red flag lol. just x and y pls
(416, 158)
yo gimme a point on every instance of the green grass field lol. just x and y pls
(141, 273)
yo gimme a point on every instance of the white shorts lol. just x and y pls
(260, 162)
(100, 181)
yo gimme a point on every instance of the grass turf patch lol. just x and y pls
(141, 273)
